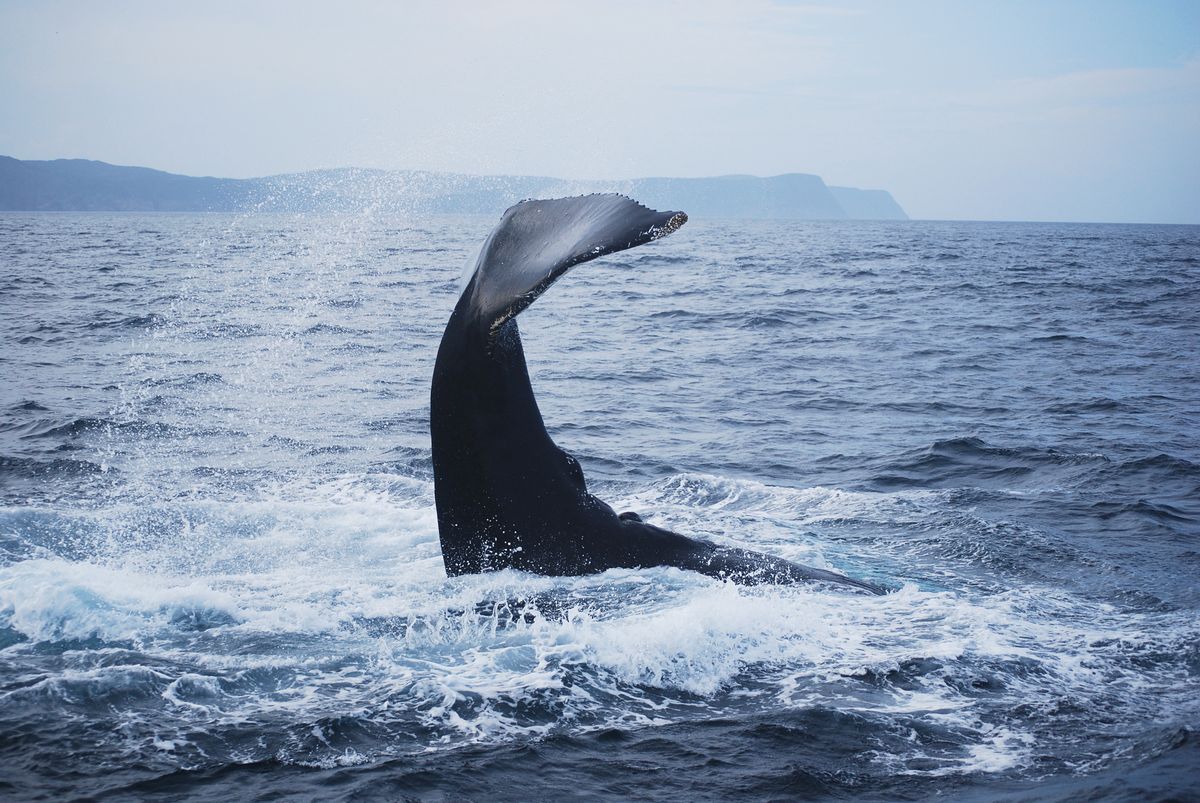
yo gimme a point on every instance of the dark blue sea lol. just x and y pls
(220, 576)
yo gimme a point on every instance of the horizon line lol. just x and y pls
(910, 219)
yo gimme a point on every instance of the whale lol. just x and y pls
(507, 496)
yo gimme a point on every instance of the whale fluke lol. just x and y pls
(538, 241)
(507, 496)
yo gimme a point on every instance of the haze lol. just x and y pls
(1015, 111)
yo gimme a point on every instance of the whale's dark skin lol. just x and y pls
(507, 496)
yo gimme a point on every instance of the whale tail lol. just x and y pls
(538, 241)
(507, 496)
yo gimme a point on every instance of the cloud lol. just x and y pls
(1129, 85)
(957, 112)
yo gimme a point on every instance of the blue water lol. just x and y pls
(219, 567)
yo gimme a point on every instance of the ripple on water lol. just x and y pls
(219, 552)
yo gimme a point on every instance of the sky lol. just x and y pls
(962, 110)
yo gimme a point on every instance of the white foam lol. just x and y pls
(336, 591)
(57, 599)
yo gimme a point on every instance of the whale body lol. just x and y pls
(507, 496)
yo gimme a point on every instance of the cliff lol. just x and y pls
(82, 185)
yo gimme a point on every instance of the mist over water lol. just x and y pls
(219, 564)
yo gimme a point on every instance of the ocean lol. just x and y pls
(220, 576)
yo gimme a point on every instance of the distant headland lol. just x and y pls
(84, 185)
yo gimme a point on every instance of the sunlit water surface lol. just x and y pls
(219, 565)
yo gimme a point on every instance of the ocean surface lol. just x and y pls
(219, 568)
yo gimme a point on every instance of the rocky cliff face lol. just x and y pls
(868, 204)
(82, 185)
